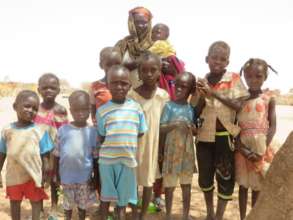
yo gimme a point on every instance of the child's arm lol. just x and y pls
(272, 121)
(93, 114)
(246, 152)
(2, 160)
(235, 104)
(56, 177)
(45, 167)
(167, 127)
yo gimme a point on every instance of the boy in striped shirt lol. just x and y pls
(121, 122)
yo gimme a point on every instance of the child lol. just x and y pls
(99, 93)
(222, 95)
(54, 115)
(26, 146)
(257, 120)
(152, 99)
(161, 46)
(179, 157)
(74, 156)
(121, 121)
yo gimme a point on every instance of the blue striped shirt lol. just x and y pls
(120, 124)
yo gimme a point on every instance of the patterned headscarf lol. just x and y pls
(132, 43)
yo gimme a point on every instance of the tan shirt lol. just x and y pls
(232, 87)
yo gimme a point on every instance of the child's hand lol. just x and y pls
(254, 157)
(204, 88)
(192, 128)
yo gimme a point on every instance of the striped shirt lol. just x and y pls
(120, 124)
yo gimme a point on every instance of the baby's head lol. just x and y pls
(184, 86)
(109, 56)
(160, 32)
(149, 68)
(26, 105)
(118, 82)
(79, 103)
(218, 57)
(49, 87)
(255, 73)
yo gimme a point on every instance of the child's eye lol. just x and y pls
(154, 70)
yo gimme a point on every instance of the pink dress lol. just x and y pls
(253, 121)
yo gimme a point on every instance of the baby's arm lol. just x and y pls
(2, 160)
(272, 121)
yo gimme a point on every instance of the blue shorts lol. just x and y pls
(118, 184)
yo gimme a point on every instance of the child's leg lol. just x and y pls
(186, 194)
(146, 198)
(15, 209)
(81, 214)
(169, 200)
(54, 195)
(121, 210)
(68, 214)
(221, 207)
(36, 209)
(224, 161)
(134, 212)
(206, 171)
(254, 197)
(104, 207)
(243, 192)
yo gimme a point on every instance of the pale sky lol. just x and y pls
(65, 36)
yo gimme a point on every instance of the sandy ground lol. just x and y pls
(285, 125)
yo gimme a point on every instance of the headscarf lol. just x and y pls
(131, 43)
(167, 81)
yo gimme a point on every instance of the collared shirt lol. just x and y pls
(232, 87)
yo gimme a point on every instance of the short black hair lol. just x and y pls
(45, 77)
(147, 55)
(221, 44)
(25, 94)
(78, 94)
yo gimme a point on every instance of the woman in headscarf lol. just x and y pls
(139, 40)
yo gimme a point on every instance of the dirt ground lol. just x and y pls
(285, 125)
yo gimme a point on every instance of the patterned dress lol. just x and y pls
(253, 121)
(179, 156)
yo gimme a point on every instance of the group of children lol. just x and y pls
(142, 134)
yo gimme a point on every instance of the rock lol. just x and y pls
(275, 201)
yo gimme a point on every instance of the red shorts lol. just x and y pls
(27, 190)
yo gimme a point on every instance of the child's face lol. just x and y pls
(168, 67)
(255, 77)
(118, 84)
(26, 109)
(141, 23)
(49, 88)
(149, 72)
(160, 32)
(80, 110)
(183, 87)
(111, 60)
(218, 60)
